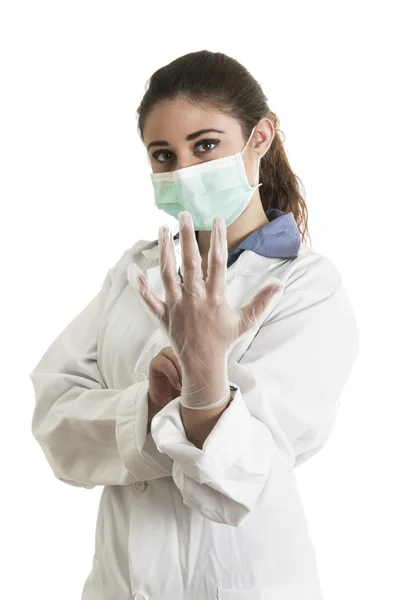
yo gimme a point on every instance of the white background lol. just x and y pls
(75, 193)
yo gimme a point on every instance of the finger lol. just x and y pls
(167, 366)
(170, 354)
(172, 285)
(251, 312)
(217, 258)
(189, 249)
(156, 306)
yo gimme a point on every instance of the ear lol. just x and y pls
(263, 136)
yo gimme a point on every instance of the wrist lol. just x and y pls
(205, 394)
(198, 424)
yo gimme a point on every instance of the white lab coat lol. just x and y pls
(176, 522)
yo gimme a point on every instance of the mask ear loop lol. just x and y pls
(256, 184)
(249, 139)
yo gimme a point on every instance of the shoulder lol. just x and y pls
(116, 279)
(313, 271)
(130, 255)
(314, 293)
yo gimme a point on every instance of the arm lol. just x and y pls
(289, 383)
(198, 424)
(91, 435)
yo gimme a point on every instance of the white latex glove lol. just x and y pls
(196, 315)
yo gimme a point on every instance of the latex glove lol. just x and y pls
(196, 315)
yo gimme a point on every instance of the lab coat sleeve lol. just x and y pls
(289, 383)
(91, 435)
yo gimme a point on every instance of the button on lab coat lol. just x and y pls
(176, 522)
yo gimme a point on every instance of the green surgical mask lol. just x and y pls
(216, 188)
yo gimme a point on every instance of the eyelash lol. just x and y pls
(158, 152)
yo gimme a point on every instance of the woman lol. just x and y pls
(200, 499)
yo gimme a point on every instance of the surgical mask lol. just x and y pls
(216, 188)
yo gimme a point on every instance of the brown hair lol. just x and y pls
(215, 79)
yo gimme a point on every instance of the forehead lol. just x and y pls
(173, 119)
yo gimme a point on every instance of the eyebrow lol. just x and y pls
(189, 137)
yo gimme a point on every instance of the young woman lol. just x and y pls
(208, 367)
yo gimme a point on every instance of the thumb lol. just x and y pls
(169, 353)
(251, 312)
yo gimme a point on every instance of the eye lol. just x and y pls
(158, 153)
(206, 142)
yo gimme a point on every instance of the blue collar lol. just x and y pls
(280, 238)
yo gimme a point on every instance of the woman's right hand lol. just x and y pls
(165, 379)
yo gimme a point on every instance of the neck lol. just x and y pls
(253, 217)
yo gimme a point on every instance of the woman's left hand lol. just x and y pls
(196, 315)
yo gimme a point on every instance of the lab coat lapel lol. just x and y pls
(150, 267)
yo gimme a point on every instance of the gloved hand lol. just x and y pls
(196, 315)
